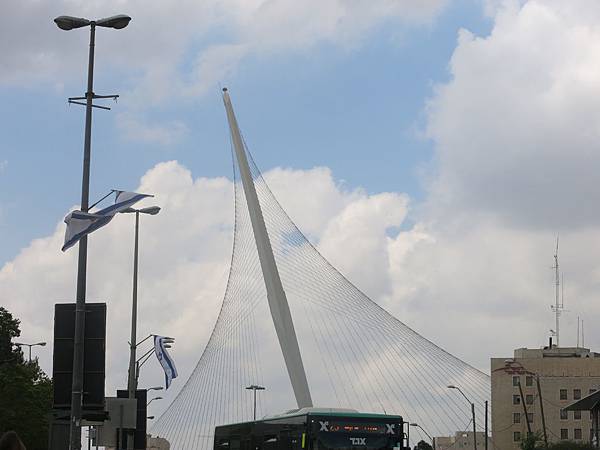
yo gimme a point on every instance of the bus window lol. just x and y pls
(270, 442)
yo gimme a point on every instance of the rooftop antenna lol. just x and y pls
(582, 335)
(577, 331)
(558, 306)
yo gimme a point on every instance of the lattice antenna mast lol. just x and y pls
(278, 304)
(558, 305)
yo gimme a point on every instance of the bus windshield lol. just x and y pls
(353, 435)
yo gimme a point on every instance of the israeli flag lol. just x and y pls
(80, 224)
(161, 343)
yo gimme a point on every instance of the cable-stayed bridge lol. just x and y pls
(341, 350)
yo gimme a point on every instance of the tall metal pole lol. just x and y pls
(474, 427)
(131, 379)
(557, 305)
(254, 404)
(486, 425)
(77, 386)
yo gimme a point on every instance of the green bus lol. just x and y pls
(315, 429)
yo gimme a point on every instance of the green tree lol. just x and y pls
(570, 445)
(531, 441)
(25, 390)
(422, 445)
(535, 442)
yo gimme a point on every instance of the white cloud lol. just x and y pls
(184, 258)
(217, 34)
(517, 127)
(515, 131)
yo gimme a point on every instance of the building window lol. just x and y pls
(592, 391)
(564, 434)
(530, 417)
(577, 433)
(564, 414)
(516, 380)
(517, 436)
(577, 415)
(529, 399)
(563, 394)
(528, 381)
(516, 417)
(516, 400)
(576, 394)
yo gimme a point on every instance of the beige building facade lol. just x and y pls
(157, 443)
(565, 375)
(462, 440)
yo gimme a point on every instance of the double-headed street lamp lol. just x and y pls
(20, 344)
(255, 387)
(69, 23)
(451, 386)
(131, 378)
(426, 433)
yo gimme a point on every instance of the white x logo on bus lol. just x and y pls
(390, 428)
(324, 426)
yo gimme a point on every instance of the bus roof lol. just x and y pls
(333, 412)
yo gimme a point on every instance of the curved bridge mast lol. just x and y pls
(278, 304)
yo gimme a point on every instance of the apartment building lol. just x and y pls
(565, 374)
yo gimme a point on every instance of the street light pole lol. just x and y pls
(255, 387)
(132, 347)
(472, 413)
(68, 23)
(426, 433)
(131, 376)
(77, 384)
(20, 344)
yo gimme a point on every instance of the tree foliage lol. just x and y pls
(535, 442)
(422, 445)
(25, 390)
(570, 445)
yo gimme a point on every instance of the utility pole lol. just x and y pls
(537, 380)
(524, 408)
(486, 425)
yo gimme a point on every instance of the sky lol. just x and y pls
(432, 150)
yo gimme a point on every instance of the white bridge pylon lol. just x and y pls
(278, 304)
(355, 354)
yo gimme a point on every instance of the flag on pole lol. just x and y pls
(161, 343)
(80, 224)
